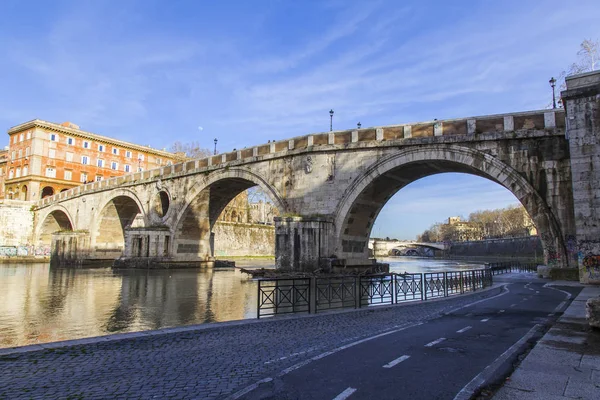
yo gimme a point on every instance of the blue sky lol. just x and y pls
(153, 72)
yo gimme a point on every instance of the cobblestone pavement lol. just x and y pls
(203, 363)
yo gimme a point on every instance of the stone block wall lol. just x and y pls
(525, 247)
(238, 240)
(16, 223)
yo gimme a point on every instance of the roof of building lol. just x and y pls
(73, 129)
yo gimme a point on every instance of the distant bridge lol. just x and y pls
(382, 248)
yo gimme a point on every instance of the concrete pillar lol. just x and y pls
(70, 248)
(582, 106)
(302, 242)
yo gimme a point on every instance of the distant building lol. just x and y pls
(3, 163)
(45, 158)
(460, 231)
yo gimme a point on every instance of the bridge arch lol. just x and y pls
(53, 220)
(203, 205)
(367, 195)
(121, 211)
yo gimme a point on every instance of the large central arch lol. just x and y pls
(366, 197)
(203, 205)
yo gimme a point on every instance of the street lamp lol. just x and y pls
(358, 125)
(552, 82)
(330, 120)
(215, 146)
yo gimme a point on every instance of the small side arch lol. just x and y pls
(56, 218)
(121, 211)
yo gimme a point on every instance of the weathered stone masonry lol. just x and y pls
(330, 187)
(582, 103)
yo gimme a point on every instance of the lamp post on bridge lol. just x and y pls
(330, 120)
(215, 153)
(358, 125)
(552, 82)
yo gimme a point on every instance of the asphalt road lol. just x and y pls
(444, 358)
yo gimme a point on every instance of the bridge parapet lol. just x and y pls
(471, 127)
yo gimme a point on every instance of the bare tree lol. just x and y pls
(588, 58)
(191, 149)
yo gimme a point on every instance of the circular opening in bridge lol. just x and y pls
(161, 203)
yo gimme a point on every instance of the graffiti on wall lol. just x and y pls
(571, 246)
(25, 251)
(591, 265)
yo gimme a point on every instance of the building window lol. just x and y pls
(140, 157)
(85, 160)
(101, 148)
(20, 153)
(127, 154)
(69, 156)
(127, 168)
(18, 172)
(27, 152)
(68, 175)
(15, 139)
(11, 174)
(52, 153)
(98, 178)
(54, 137)
(100, 163)
(28, 135)
(114, 165)
(115, 151)
(83, 177)
(86, 145)
(70, 141)
(21, 137)
(158, 161)
(25, 170)
(51, 172)
(13, 155)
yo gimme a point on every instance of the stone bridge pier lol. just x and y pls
(330, 187)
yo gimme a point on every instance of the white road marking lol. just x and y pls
(396, 362)
(537, 292)
(551, 314)
(466, 328)
(485, 320)
(505, 291)
(513, 305)
(501, 311)
(345, 394)
(440, 340)
(470, 388)
(253, 386)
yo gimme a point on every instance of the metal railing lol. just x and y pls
(315, 294)
(506, 267)
(283, 296)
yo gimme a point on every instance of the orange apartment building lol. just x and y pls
(45, 158)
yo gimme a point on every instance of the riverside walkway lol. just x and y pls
(196, 362)
(228, 360)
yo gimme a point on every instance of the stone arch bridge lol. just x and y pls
(330, 187)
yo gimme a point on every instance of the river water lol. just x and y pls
(40, 304)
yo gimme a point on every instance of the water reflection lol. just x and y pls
(43, 304)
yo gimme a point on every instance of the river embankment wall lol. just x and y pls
(231, 239)
(244, 240)
(521, 247)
